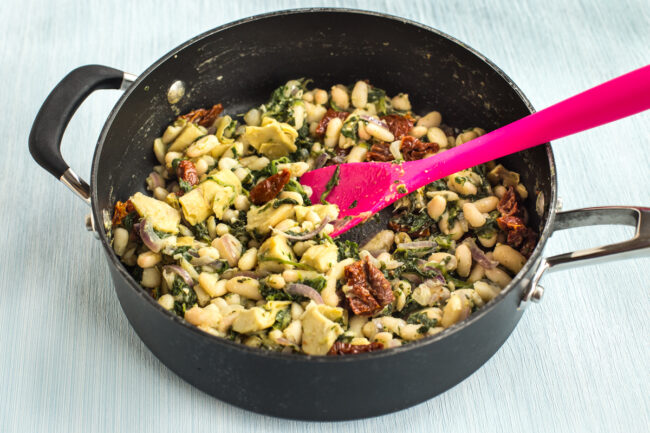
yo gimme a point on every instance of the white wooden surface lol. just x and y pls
(69, 360)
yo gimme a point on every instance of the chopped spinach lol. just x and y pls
(347, 249)
(282, 319)
(184, 296)
(200, 231)
(185, 186)
(130, 220)
(295, 186)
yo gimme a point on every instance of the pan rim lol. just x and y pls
(522, 278)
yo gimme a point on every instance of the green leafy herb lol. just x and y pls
(304, 266)
(347, 249)
(279, 202)
(317, 283)
(293, 185)
(184, 296)
(129, 220)
(175, 163)
(200, 231)
(184, 252)
(185, 186)
(331, 184)
(282, 319)
(161, 234)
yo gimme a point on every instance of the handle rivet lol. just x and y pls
(176, 92)
(537, 294)
(90, 225)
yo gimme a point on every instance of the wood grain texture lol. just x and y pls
(69, 360)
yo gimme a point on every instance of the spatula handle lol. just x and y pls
(621, 97)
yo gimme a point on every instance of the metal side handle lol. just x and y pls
(637, 246)
(57, 111)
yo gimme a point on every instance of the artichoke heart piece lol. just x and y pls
(161, 215)
(187, 136)
(195, 208)
(221, 197)
(321, 257)
(272, 139)
(273, 252)
(320, 330)
(258, 318)
(262, 218)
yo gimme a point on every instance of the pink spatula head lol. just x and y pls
(362, 189)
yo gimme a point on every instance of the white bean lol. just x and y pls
(333, 131)
(248, 260)
(486, 291)
(418, 131)
(159, 150)
(212, 285)
(478, 272)
(340, 97)
(487, 204)
(150, 278)
(464, 257)
(498, 276)
(363, 133)
(357, 154)
(241, 173)
(401, 102)
(380, 133)
(509, 258)
(499, 190)
(160, 193)
(253, 117)
(320, 96)
(242, 203)
(226, 163)
(488, 242)
(446, 259)
(521, 190)
(244, 286)
(276, 281)
(120, 240)
(436, 207)
(437, 135)
(430, 120)
(457, 309)
(473, 216)
(360, 94)
(166, 301)
(149, 259)
(222, 229)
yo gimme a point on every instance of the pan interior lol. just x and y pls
(240, 65)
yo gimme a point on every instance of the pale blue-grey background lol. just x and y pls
(69, 360)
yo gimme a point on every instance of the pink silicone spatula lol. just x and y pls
(365, 188)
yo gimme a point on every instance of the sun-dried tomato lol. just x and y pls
(380, 152)
(413, 149)
(398, 125)
(203, 116)
(121, 211)
(187, 172)
(508, 205)
(329, 115)
(369, 291)
(511, 221)
(381, 289)
(341, 348)
(269, 188)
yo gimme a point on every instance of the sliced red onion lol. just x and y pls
(374, 120)
(233, 273)
(284, 342)
(320, 160)
(338, 159)
(412, 278)
(427, 267)
(149, 237)
(181, 273)
(305, 236)
(297, 289)
(154, 180)
(203, 261)
(479, 256)
(417, 245)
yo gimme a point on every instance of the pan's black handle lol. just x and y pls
(56, 112)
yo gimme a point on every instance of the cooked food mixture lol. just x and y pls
(231, 242)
